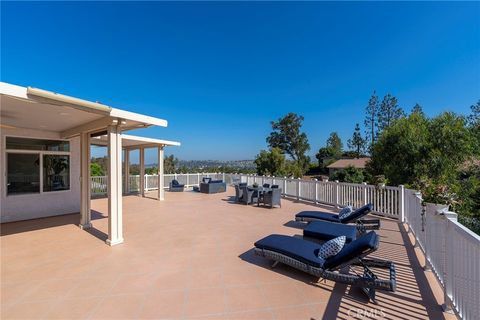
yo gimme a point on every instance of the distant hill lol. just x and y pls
(203, 164)
(240, 164)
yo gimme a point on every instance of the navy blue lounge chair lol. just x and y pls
(175, 186)
(355, 217)
(324, 230)
(303, 255)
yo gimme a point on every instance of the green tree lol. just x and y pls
(400, 151)
(388, 112)
(271, 162)
(335, 143)
(451, 144)
(415, 148)
(286, 136)
(170, 164)
(96, 170)
(371, 118)
(417, 108)
(357, 142)
(350, 175)
(474, 122)
(324, 153)
(151, 170)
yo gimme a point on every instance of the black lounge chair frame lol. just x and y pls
(364, 225)
(368, 282)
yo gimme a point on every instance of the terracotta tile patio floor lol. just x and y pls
(190, 256)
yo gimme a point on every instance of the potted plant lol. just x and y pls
(379, 181)
(437, 196)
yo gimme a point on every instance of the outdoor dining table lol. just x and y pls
(260, 190)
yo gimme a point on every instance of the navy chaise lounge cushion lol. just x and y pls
(366, 243)
(324, 230)
(296, 248)
(318, 215)
(359, 213)
(307, 252)
(333, 217)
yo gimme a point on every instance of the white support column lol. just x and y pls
(85, 187)
(115, 219)
(126, 177)
(142, 172)
(161, 190)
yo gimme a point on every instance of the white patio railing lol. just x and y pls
(99, 183)
(387, 201)
(452, 251)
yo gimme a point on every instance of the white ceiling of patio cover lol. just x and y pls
(19, 113)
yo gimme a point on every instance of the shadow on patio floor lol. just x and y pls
(45, 223)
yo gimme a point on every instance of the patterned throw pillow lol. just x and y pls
(331, 247)
(345, 212)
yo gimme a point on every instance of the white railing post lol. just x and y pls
(364, 191)
(402, 203)
(223, 175)
(285, 185)
(198, 176)
(263, 179)
(448, 259)
(298, 189)
(316, 191)
(337, 194)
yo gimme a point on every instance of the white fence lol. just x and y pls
(452, 251)
(99, 183)
(387, 201)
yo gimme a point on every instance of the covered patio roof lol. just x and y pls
(31, 108)
(93, 122)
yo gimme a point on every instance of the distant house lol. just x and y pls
(341, 164)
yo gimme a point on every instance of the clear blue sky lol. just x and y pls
(220, 72)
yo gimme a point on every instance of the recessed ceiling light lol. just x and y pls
(64, 113)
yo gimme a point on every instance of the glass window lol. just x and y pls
(56, 172)
(37, 144)
(23, 173)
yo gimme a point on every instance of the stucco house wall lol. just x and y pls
(37, 205)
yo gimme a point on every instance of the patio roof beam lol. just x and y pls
(97, 125)
(145, 146)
